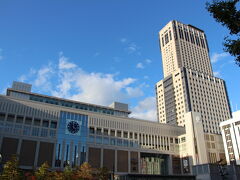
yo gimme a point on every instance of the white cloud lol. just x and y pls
(146, 109)
(140, 66)
(144, 85)
(64, 64)
(145, 77)
(132, 47)
(67, 80)
(217, 74)
(218, 56)
(25, 77)
(123, 40)
(3, 91)
(134, 92)
(95, 88)
(42, 79)
(22, 78)
(148, 61)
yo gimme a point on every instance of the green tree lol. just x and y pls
(84, 172)
(43, 172)
(67, 173)
(11, 170)
(226, 13)
(57, 175)
(103, 173)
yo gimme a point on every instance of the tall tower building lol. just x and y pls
(189, 95)
(184, 46)
(189, 84)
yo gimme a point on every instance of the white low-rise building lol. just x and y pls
(231, 138)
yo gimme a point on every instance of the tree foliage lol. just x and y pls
(68, 173)
(43, 172)
(85, 172)
(103, 173)
(11, 170)
(227, 13)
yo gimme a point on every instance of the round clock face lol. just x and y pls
(73, 127)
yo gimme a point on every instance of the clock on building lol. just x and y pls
(73, 127)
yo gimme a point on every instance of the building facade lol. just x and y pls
(231, 138)
(189, 86)
(62, 132)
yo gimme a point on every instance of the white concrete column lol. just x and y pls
(19, 146)
(139, 163)
(170, 168)
(153, 144)
(160, 140)
(168, 143)
(115, 163)
(139, 139)
(129, 162)
(146, 137)
(36, 154)
(233, 131)
(150, 140)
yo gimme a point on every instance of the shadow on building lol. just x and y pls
(217, 172)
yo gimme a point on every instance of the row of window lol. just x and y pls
(18, 108)
(143, 138)
(126, 125)
(112, 132)
(113, 141)
(166, 38)
(190, 36)
(77, 105)
(212, 157)
(194, 58)
(26, 130)
(203, 77)
(19, 119)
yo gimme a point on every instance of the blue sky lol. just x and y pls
(100, 51)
